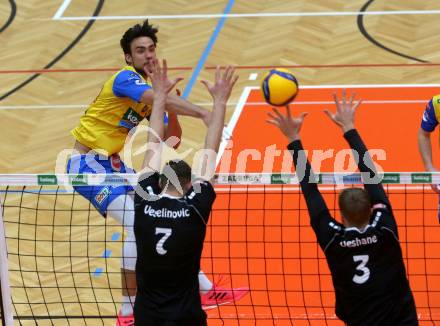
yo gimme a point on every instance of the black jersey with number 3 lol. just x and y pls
(169, 236)
(367, 267)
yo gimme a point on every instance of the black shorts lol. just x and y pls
(144, 320)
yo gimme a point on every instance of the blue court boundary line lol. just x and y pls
(106, 254)
(207, 50)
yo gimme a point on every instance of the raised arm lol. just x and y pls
(220, 92)
(161, 86)
(322, 222)
(344, 118)
(178, 105)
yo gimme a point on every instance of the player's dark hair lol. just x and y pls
(180, 169)
(137, 31)
(355, 205)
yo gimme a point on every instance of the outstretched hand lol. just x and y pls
(289, 126)
(159, 77)
(222, 87)
(345, 111)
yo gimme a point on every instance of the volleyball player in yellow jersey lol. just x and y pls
(123, 102)
(430, 120)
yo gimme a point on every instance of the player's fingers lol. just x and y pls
(357, 105)
(174, 82)
(147, 69)
(275, 118)
(207, 84)
(353, 94)
(227, 73)
(277, 113)
(234, 80)
(233, 72)
(154, 64)
(303, 115)
(230, 73)
(164, 67)
(217, 73)
(336, 99)
(344, 97)
(270, 114)
(148, 72)
(273, 122)
(330, 115)
(288, 112)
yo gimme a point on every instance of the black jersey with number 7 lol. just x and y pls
(169, 237)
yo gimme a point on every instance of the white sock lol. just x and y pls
(127, 305)
(204, 283)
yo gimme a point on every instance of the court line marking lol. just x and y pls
(232, 122)
(208, 49)
(261, 14)
(83, 106)
(246, 92)
(98, 271)
(238, 67)
(253, 76)
(363, 86)
(58, 15)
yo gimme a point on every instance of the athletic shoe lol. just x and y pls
(125, 320)
(218, 295)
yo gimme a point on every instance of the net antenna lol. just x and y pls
(5, 298)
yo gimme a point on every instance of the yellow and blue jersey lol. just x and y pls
(431, 116)
(115, 111)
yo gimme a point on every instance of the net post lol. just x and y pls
(5, 297)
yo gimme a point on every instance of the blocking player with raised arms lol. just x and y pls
(363, 252)
(171, 213)
(123, 102)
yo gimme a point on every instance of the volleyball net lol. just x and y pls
(63, 258)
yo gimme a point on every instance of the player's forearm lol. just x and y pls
(181, 106)
(177, 105)
(315, 202)
(425, 149)
(215, 127)
(366, 165)
(206, 165)
(156, 119)
(155, 135)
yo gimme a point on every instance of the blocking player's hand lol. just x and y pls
(345, 111)
(222, 87)
(159, 77)
(290, 126)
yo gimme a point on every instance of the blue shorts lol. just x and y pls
(99, 196)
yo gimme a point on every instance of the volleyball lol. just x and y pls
(279, 87)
